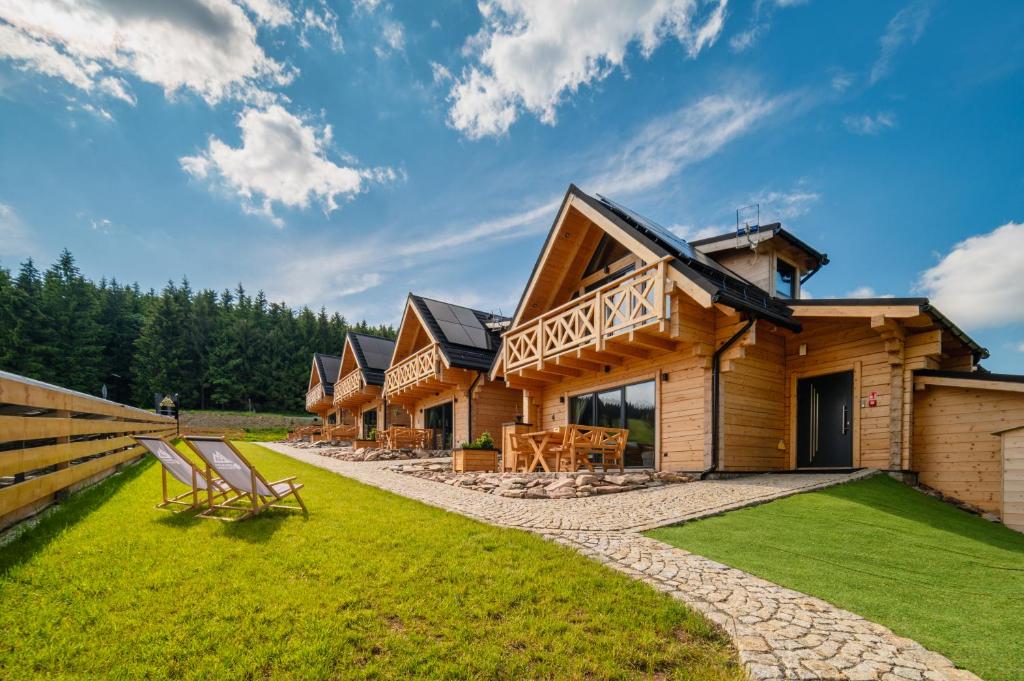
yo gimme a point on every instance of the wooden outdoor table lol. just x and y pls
(539, 443)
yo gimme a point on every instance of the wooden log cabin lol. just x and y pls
(320, 392)
(439, 372)
(359, 391)
(707, 354)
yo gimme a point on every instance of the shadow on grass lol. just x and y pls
(56, 519)
(258, 529)
(925, 510)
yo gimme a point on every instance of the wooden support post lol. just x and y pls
(61, 495)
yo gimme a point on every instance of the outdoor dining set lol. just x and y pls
(568, 448)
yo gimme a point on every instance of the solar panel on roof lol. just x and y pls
(455, 333)
(442, 311)
(665, 236)
(466, 317)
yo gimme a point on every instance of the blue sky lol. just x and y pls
(342, 154)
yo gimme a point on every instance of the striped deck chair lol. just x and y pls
(252, 493)
(184, 471)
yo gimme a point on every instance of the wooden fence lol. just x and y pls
(54, 441)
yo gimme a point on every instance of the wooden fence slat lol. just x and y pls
(41, 427)
(30, 459)
(28, 393)
(24, 493)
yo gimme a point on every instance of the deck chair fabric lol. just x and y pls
(247, 483)
(182, 470)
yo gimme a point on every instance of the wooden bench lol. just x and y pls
(402, 437)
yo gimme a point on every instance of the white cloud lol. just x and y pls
(979, 284)
(867, 124)
(273, 13)
(907, 26)
(1020, 347)
(867, 292)
(367, 6)
(282, 159)
(440, 73)
(204, 46)
(326, 21)
(841, 81)
(778, 206)
(760, 23)
(531, 54)
(393, 35)
(15, 240)
(669, 143)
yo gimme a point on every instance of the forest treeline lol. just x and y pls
(226, 350)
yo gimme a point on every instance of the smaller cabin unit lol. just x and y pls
(359, 392)
(707, 354)
(320, 393)
(439, 372)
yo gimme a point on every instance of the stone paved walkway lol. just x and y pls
(779, 633)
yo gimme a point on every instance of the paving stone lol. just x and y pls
(779, 633)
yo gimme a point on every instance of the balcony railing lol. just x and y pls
(422, 364)
(314, 397)
(634, 301)
(351, 383)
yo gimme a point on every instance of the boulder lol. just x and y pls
(562, 483)
(536, 492)
(586, 479)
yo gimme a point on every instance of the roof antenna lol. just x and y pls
(748, 222)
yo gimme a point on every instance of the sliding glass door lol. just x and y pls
(631, 407)
(439, 419)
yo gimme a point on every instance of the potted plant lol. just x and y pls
(480, 455)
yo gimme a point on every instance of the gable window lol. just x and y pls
(785, 279)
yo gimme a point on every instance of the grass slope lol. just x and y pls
(371, 585)
(928, 571)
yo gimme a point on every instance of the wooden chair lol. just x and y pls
(583, 441)
(184, 471)
(522, 453)
(252, 493)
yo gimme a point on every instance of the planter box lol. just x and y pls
(365, 444)
(475, 460)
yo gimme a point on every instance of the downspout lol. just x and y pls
(469, 407)
(716, 390)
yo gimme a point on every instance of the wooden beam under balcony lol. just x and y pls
(600, 357)
(620, 346)
(520, 383)
(577, 363)
(653, 342)
(552, 367)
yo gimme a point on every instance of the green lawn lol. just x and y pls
(928, 571)
(371, 585)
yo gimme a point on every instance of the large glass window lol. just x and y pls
(439, 419)
(631, 407)
(785, 279)
(369, 422)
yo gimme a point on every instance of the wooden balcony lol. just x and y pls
(625, 318)
(351, 391)
(422, 374)
(316, 400)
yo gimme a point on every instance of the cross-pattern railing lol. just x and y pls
(420, 365)
(351, 383)
(628, 303)
(314, 397)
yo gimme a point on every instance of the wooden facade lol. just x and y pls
(323, 374)
(614, 301)
(429, 371)
(359, 391)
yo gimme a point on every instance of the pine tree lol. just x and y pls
(69, 302)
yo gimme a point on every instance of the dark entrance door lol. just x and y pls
(439, 419)
(825, 421)
(369, 421)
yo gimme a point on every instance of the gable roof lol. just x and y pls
(720, 284)
(373, 355)
(468, 339)
(327, 366)
(775, 229)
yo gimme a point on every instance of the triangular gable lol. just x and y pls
(575, 233)
(314, 375)
(413, 333)
(349, 358)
